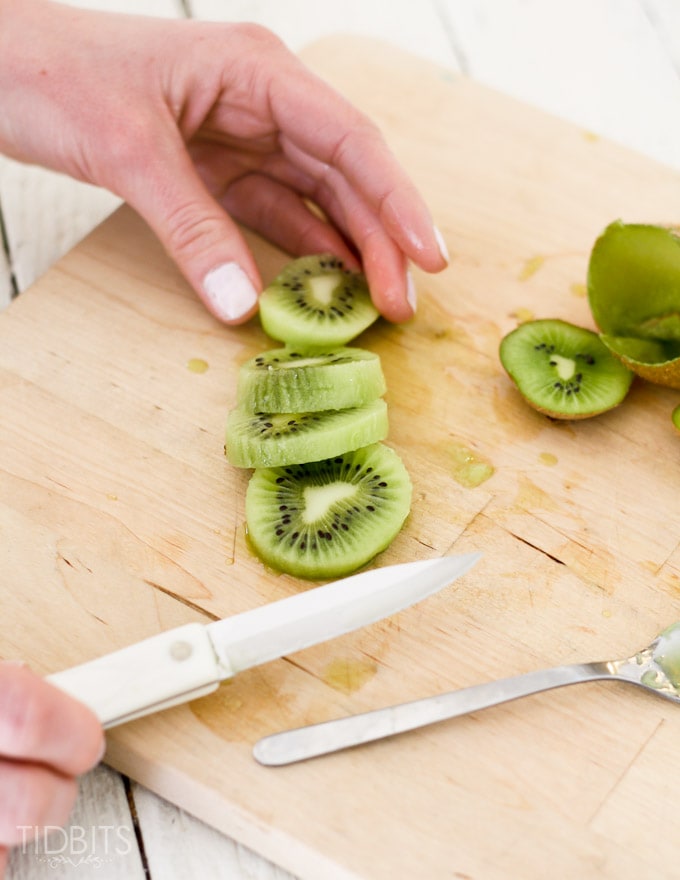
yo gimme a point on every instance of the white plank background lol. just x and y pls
(611, 66)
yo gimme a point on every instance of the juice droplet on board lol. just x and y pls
(349, 675)
(579, 289)
(530, 267)
(197, 365)
(469, 468)
(548, 459)
(523, 315)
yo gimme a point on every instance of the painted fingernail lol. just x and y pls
(229, 291)
(411, 296)
(441, 244)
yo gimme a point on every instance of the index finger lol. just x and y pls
(321, 124)
(41, 724)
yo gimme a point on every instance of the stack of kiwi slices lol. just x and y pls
(326, 495)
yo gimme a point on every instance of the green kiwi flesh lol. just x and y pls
(676, 417)
(563, 370)
(327, 518)
(315, 302)
(288, 380)
(259, 439)
(634, 295)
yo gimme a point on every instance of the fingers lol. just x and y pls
(281, 216)
(321, 130)
(32, 796)
(199, 236)
(384, 263)
(385, 260)
(41, 724)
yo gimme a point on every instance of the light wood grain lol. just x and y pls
(160, 515)
(602, 65)
(99, 840)
(496, 67)
(5, 279)
(178, 846)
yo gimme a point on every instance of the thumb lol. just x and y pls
(204, 242)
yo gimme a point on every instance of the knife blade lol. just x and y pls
(190, 661)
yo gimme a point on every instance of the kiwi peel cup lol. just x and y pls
(634, 296)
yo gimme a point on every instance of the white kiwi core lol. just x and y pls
(322, 287)
(318, 499)
(296, 364)
(566, 367)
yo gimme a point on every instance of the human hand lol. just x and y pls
(198, 125)
(46, 739)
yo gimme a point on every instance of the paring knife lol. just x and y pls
(190, 661)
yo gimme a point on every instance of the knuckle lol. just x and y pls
(360, 138)
(190, 230)
(258, 36)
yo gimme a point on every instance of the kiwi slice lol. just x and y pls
(327, 518)
(562, 370)
(275, 439)
(315, 302)
(287, 380)
(676, 417)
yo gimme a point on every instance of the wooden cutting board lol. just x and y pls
(120, 518)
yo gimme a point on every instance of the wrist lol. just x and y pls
(29, 52)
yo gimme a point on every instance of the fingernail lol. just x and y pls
(411, 296)
(230, 291)
(441, 244)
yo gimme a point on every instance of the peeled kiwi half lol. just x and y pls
(634, 295)
(316, 302)
(563, 370)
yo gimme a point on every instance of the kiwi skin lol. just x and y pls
(563, 399)
(286, 380)
(276, 439)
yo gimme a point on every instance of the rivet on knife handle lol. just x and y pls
(151, 675)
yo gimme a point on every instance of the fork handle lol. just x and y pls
(301, 743)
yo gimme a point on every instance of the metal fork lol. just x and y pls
(655, 668)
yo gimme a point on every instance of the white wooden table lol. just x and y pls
(611, 66)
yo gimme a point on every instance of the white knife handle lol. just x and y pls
(159, 672)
